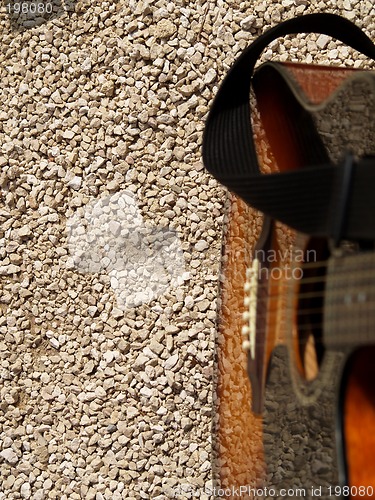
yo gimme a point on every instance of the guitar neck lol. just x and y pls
(349, 312)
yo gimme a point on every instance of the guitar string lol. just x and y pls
(323, 263)
(306, 312)
(351, 256)
(336, 290)
(281, 315)
(330, 341)
(342, 339)
(347, 273)
(325, 323)
(359, 304)
(286, 285)
(320, 310)
(273, 314)
(334, 293)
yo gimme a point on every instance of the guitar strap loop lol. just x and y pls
(305, 199)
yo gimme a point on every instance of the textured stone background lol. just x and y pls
(98, 400)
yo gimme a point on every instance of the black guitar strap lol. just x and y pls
(315, 200)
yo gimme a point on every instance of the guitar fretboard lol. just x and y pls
(349, 308)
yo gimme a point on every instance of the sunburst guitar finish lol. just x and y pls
(295, 375)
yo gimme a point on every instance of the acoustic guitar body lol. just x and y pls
(319, 399)
(316, 443)
(304, 426)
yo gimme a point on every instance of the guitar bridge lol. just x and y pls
(250, 314)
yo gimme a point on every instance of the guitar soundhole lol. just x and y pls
(309, 344)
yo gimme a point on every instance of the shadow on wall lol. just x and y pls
(25, 14)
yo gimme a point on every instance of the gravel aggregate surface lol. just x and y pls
(110, 237)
